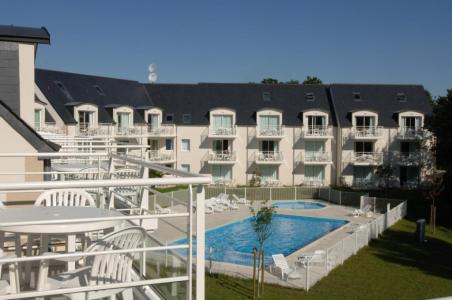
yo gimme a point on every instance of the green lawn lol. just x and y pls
(392, 267)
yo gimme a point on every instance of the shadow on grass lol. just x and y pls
(433, 257)
(241, 287)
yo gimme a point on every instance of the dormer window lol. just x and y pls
(266, 96)
(310, 97)
(357, 96)
(99, 90)
(63, 89)
(186, 118)
(170, 118)
(401, 97)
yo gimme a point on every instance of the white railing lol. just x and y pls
(161, 155)
(275, 131)
(221, 156)
(317, 131)
(268, 156)
(364, 182)
(348, 246)
(367, 131)
(222, 131)
(50, 128)
(313, 182)
(367, 158)
(317, 156)
(164, 130)
(406, 132)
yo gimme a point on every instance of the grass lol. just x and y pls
(392, 267)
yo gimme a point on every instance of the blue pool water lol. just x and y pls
(297, 204)
(233, 243)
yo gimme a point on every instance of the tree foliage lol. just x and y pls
(312, 80)
(269, 81)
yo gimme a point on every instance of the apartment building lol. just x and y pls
(282, 134)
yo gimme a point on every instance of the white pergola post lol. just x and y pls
(200, 243)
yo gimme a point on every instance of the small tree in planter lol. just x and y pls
(255, 180)
(261, 223)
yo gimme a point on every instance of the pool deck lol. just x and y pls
(176, 228)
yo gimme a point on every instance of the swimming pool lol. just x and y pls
(234, 242)
(297, 204)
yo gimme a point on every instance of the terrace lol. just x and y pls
(366, 132)
(76, 218)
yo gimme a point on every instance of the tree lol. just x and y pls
(440, 124)
(385, 174)
(255, 180)
(261, 223)
(312, 80)
(269, 81)
(435, 186)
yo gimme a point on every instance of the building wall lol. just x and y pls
(17, 164)
(27, 81)
(9, 75)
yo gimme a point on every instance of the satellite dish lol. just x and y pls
(152, 68)
(152, 77)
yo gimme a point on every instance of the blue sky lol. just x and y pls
(245, 41)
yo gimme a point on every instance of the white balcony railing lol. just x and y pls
(367, 132)
(367, 158)
(161, 155)
(268, 157)
(408, 158)
(221, 156)
(49, 128)
(315, 156)
(313, 182)
(317, 131)
(409, 133)
(222, 131)
(364, 182)
(163, 130)
(270, 132)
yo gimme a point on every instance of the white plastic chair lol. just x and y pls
(99, 269)
(5, 236)
(133, 193)
(12, 286)
(318, 258)
(281, 265)
(65, 197)
(160, 210)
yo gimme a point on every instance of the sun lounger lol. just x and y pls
(282, 267)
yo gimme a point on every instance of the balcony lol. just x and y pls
(366, 132)
(276, 132)
(268, 157)
(221, 157)
(317, 132)
(408, 158)
(105, 130)
(222, 132)
(364, 183)
(367, 158)
(163, 130)
(49, 129)
(410, 133)
(316, 158)
(313, 182)
(162, 156)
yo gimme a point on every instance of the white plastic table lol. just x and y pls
(34, 216)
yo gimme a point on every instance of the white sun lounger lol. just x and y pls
(282, 267)
(240, 200)
(161, 210)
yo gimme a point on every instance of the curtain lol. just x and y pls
(154, 120)
(268, 172)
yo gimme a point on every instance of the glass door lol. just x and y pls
(84, 120)
(153, 120)
(37, 118)
(123, 121)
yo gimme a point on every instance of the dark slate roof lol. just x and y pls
(24, 34)
(28, 133)
(381, 98)
(245, 99)
(82, 89)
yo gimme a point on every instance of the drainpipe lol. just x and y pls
(338, 136)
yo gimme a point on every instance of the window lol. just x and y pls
(314, 175)
(99, 90)
(63, 89)
(85, 120)
(185, 167)
(357, 96)
(269, 146)
(365, 121)
(412, 122)
(222, 122)
(269, 173)
(401, 97)
(221, 173)
(170, 118)
(220, 146)
(268, 122)
(310, 97)
(37, 118)
(185, 145)
(123, 120)
(362, 175)
(266, 96)
(316, 121)
(186, 118)
(153, 121)
(169, 144)
(364, 147)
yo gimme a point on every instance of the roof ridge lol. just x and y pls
(86, 75)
